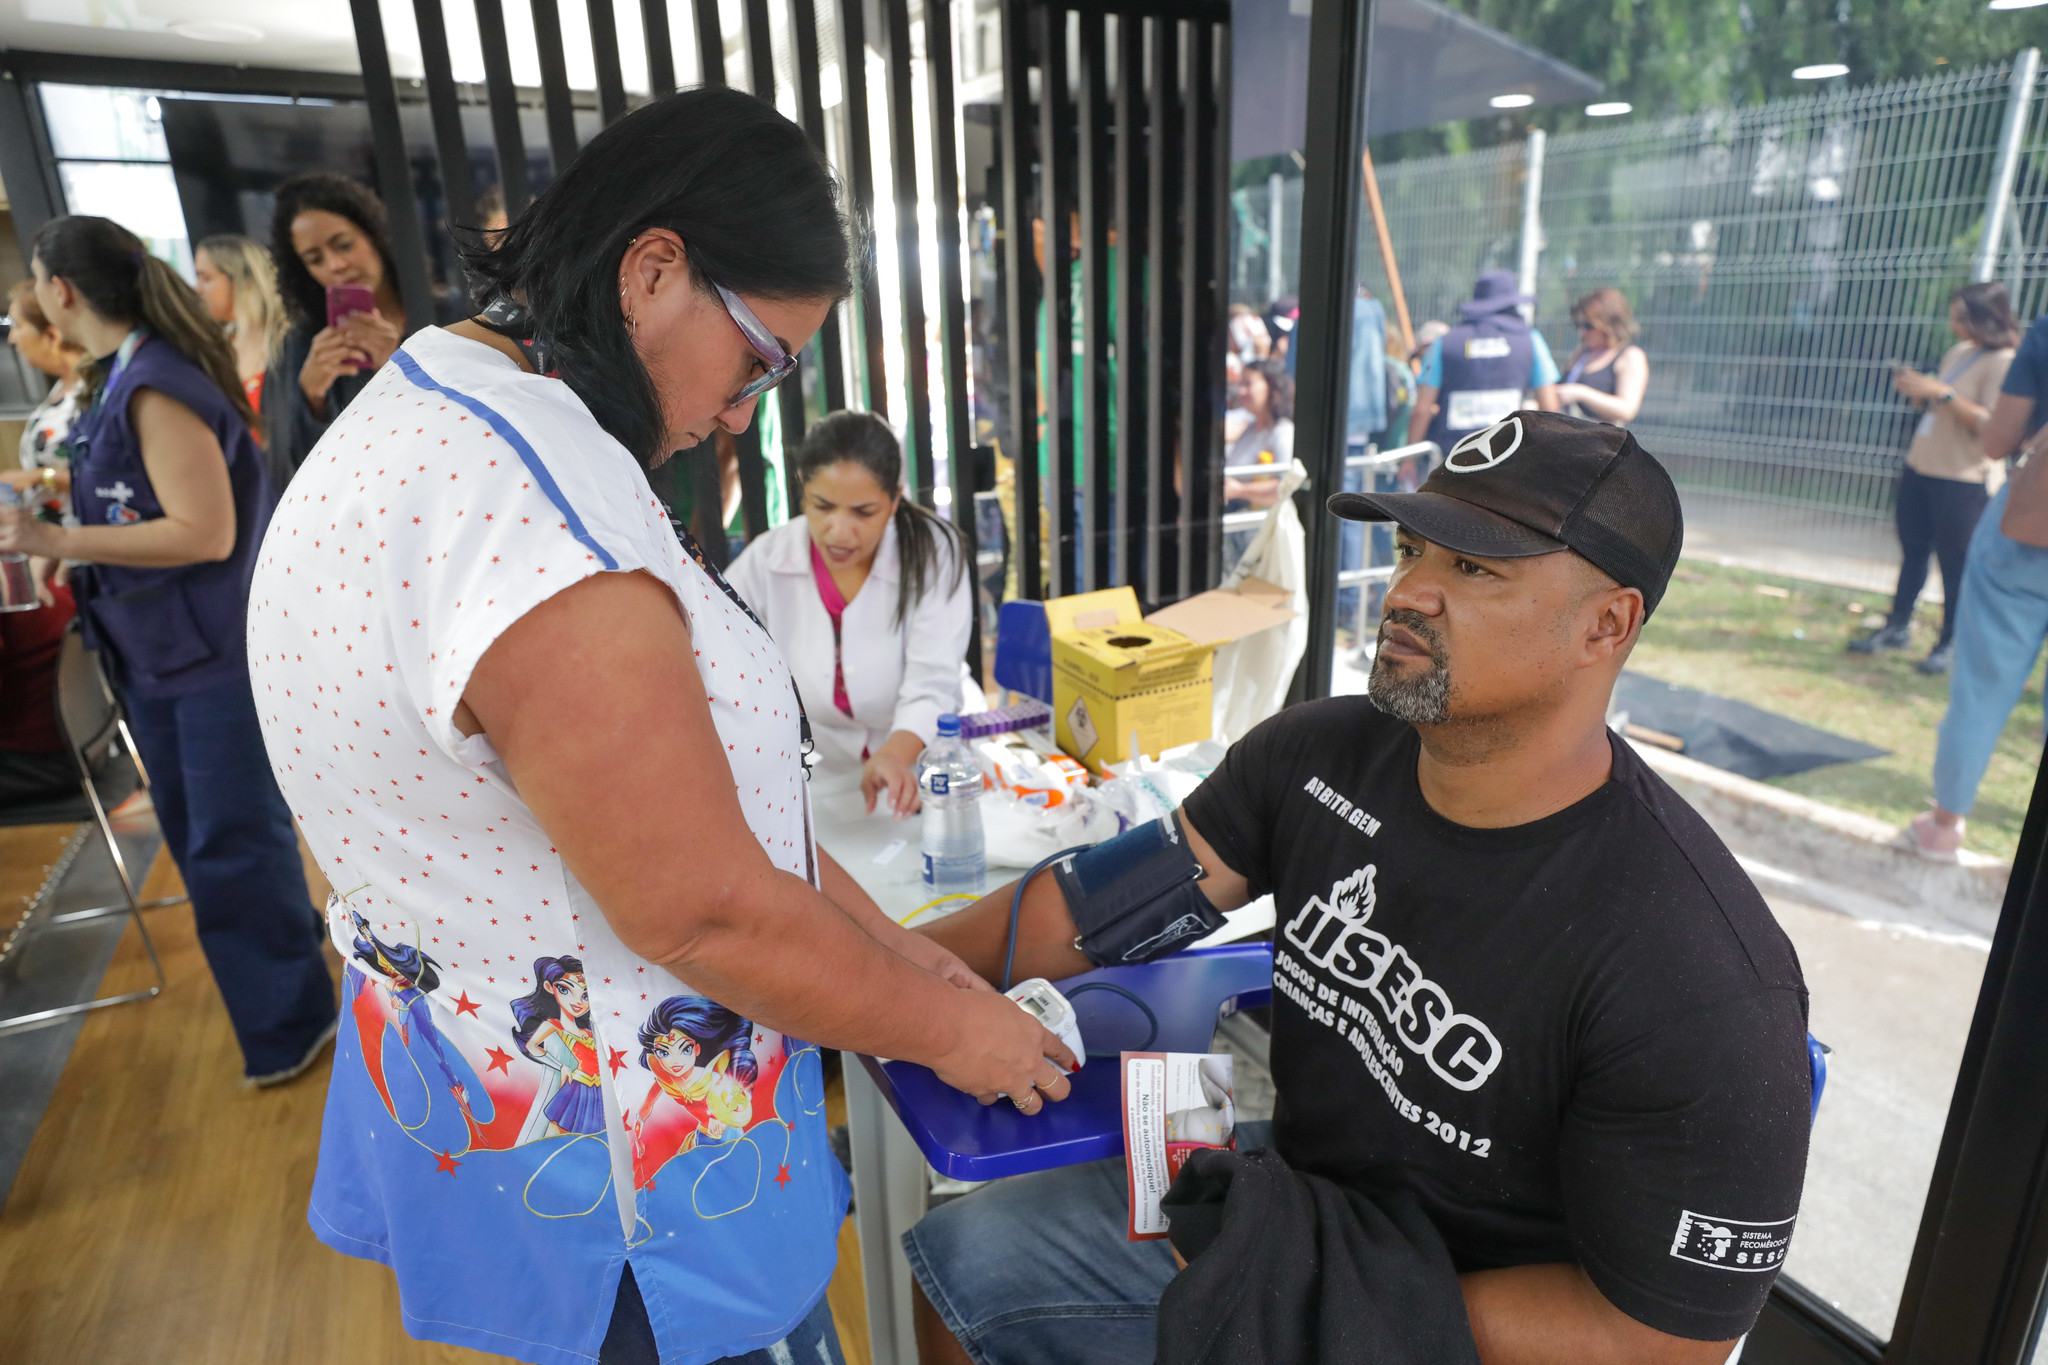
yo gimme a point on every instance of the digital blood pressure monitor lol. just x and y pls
(1043, 1002)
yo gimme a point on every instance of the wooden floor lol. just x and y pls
(27, 853)
(161, 1214)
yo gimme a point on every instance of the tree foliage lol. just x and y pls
(1677, 56)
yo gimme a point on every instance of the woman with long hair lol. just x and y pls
(1265, 392)
(326, 230)
(45, 464)
(171, 501)
(1947, 480)
(513, 707)
(238, 284)
(868, 595)
(1608, 374)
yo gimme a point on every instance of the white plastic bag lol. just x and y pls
(1252, 675)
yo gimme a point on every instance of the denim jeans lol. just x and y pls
(2001, 621)
(1036, 1269)
(630, 1338)
(232, 837)
(1936, 517)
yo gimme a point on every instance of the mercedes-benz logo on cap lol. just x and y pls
(1482, 450)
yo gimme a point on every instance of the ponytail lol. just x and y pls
(121, 282)
(866, 440)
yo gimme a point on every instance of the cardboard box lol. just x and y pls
(1221, 615)
(1116, 673)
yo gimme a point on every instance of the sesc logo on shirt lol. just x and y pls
(1730, 1243)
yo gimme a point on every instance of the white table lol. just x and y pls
(890, 1177)
(890, 1183)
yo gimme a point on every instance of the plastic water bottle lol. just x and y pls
(17, 584)
(949, 782)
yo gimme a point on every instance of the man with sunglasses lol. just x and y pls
(1484, 368)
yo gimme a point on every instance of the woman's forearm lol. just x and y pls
(161, 543)
(905, 746)
(843, 891)
(1607, 407)
(1971, 415)
(781, 954)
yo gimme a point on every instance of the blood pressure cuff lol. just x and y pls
(1137, 896)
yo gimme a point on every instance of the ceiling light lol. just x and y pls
(1512, 101)
(217, 31)
(1824, 71)
(1618, 107)
(2016, 4)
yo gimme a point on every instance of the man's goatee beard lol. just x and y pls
(1421, 700)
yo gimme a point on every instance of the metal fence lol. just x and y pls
(1779, 259)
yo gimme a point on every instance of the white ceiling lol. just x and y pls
(319, 35)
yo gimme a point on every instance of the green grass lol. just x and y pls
(1716, 632)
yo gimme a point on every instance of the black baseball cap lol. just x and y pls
(1535, 483)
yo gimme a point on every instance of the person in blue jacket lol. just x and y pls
(1484, 368)
(171, 501)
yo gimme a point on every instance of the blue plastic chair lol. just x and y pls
(1024, 650)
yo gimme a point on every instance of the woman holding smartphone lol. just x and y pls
(170, 499)
(331, 240)
(544, 751)
(1947, 480)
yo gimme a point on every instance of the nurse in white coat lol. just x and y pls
(869, 596)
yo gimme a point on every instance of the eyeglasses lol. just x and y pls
(781, 364)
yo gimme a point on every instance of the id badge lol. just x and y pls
(1472, 409)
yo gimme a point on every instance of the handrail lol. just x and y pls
(1394, 456)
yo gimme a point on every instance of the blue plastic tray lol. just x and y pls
(1188, 991)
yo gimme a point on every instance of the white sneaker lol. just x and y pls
(298, 1068)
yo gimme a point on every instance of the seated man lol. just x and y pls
(1516, 976)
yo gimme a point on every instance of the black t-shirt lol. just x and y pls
(1579, 1039)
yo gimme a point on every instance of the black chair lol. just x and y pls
(109, 770)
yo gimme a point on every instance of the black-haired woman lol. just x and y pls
(868, 595)
(171, 502)
(523, 725)
(1947, 481)
(326, 231)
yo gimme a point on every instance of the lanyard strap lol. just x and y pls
(806, 745)
(122, 356)
(1957, 373)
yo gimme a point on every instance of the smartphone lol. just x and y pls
(344, 299)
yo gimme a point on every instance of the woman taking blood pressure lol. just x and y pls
(553, 767)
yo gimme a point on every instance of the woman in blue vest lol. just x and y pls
(171, 502)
